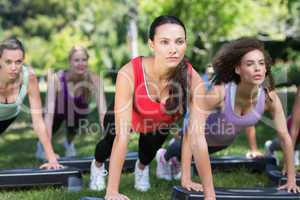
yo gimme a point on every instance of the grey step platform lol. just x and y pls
(30, 177)
(179, 193)
(84, 163)
(276, 176)
(234, 162)
(91, 198)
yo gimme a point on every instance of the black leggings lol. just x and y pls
(5, 124)
(149, 143)
(174, 149)
(72, 127)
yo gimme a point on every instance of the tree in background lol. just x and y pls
(49, 28)
(209, 22)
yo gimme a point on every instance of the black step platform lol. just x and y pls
(234, 162)
(276, 176)
(30, 177)
(84, 163)
(91, 198)
(179, 193)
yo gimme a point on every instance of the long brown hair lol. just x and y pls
(230, 55)
(178, 77)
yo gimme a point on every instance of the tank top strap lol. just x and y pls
(190, 69)
(260, 106)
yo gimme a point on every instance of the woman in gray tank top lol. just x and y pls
(243, 91)
(16, 82)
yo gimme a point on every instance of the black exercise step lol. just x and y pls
(179, 193)
(30, 177)
(235, 162)
(276, 176)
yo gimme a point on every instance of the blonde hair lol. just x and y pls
(86, 93)
(78, 48)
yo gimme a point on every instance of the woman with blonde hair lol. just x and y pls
(69, 95)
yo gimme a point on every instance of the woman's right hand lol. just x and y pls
(115, 196)
(190, 185)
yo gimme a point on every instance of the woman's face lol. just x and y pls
(11, 62)
(169, 44)
(252, 69)
(79, 62)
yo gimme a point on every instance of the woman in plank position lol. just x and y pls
(71, 95)
(16, 82)
(151, 94)
(243, 91)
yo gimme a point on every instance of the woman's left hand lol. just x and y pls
(290, 187)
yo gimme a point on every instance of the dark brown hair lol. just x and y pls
(12, 44)
(230, 55)
(177, 77)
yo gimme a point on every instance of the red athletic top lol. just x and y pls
(147, 114)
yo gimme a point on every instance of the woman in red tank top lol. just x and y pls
(151, 93)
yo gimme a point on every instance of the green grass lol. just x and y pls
(17, 147)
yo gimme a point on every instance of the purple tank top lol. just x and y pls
(69, 106)
(223, 126)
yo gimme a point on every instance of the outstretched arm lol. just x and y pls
(194, 141)
(123, 110)
(52, 87)
(276, 110)
(38, 122)
(251, 135)
(295, 128)
(100, 98)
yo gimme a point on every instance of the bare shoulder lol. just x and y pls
(95, 77)
(33, 85)
(215, 96)
(218, 90)
(126, 71)
(31, 75)
(272, 100)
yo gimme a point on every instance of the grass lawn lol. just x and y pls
(17, 147)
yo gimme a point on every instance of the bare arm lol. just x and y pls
(251, 136)
(295, 119)
(194, 142)
(52, 87)
(38, 122)
(276, 110)
(123, 110)
(100, 98)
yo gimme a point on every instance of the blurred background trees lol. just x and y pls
(49, 28)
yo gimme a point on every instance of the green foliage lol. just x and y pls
(209, 22)
(287, 73)
(50, 28)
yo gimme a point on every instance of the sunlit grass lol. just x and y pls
(17, 147)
